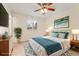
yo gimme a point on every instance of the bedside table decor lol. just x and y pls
(75, 41)
(48, 31)
(75, 32)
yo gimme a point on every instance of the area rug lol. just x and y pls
(70, 53)
(29, 51)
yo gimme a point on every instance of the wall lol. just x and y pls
(20, 20)
(73, 14)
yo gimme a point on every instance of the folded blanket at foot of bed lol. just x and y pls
(49, 45)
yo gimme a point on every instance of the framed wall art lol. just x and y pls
(62, 23)
(31, 24)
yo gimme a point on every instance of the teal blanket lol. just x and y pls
(49, 45)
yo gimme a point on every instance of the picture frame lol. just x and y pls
(61, 23)
(31, 24)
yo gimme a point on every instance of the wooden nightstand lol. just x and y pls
(75, 45)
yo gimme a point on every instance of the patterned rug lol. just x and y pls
(70, 53)
(29, 51)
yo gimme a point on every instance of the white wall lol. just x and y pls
(73, 14)
(20, 20)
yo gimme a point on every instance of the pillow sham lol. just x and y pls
(63, 35)
(66, 36)
(54, 34)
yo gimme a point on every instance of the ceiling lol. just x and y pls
(28, 8)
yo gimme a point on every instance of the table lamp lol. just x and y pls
(75, 32)
(48, 30)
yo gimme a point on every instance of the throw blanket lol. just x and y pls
(49, 45)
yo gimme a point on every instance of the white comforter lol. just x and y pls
(40, 51)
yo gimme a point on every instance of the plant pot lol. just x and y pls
(18, 41)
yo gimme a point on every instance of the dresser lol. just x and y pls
(4, 47)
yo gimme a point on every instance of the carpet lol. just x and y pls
(29, 51)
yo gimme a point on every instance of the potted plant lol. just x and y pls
(18, 32)
(5, 36)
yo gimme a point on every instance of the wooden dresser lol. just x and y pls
(4, 47)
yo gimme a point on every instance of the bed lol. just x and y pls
(46, 48)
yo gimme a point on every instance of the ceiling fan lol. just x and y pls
(45, 7)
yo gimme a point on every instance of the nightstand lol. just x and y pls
(75, 45)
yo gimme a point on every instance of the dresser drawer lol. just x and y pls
(4, 47)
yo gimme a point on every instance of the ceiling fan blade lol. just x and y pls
(51, 9)
(37, 10)
(44, 4)
(50, 4)
(39, 4)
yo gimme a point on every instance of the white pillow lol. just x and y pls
(61, 35)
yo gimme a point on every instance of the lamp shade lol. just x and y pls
(49, 29)
(75, 31)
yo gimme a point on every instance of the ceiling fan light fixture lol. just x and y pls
(45, 7)
(45, 10)
(42, 11)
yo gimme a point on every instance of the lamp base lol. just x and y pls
(75, 37)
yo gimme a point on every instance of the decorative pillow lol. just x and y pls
(63, 35)
(54, 34)
(66, 35)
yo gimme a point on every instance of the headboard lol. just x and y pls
(64, 31)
